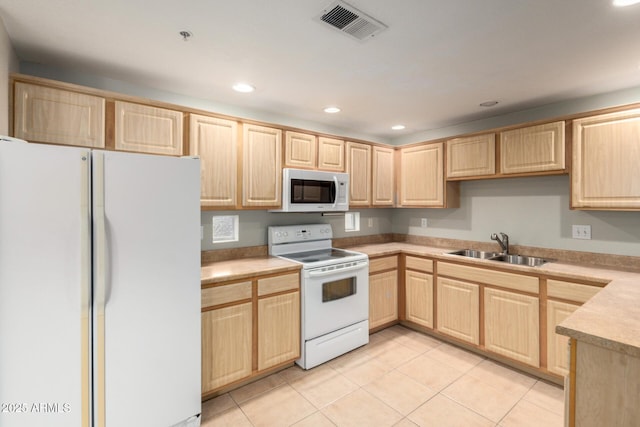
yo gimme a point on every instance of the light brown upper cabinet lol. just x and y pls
(359, 169)
(215, 141)
(533, 149)
(471, 156)
(261, 166)
(422, 181)
(147, 129)
(383, 176)
(330, 154)
(606, 156)
(56, 116)
(300, 150)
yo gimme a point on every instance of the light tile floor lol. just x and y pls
(401, 378)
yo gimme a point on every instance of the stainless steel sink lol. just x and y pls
(472, 253)
(530, 261)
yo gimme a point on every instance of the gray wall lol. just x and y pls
(532, 211)
(8, 64)
(253, 225)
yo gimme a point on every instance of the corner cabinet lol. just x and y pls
(215, 141)
(606, 155)
(359, 170)
(261, 166)
(249, 327)
(422, 181)
(57, 116)
(146, 129)
(563, 299)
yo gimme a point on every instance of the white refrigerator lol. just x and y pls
(99, 288)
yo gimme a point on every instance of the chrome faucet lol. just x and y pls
(504, 242)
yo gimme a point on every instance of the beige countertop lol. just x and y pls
(243, 268)
(611, 319)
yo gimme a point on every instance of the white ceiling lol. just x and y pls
(431, 68)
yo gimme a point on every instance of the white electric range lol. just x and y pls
(334, 291)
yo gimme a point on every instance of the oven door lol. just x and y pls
(334, 299)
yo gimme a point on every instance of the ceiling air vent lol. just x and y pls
(349, 20)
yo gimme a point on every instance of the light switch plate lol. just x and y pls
(581, 232)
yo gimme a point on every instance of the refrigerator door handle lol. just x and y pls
(100, 271)
(85, 284)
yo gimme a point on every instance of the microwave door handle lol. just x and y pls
(335, 191)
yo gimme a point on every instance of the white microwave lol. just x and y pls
(314, 191)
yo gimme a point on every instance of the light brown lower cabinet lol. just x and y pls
(418, 289)
(558, 345)
(248, 328)
(605, 387)
(459, 309)
(511, 325)
(226, 328)
(383, 291)
(278, 329)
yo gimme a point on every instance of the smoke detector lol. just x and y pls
(351, 21)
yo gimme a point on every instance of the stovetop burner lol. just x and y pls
(317, 256)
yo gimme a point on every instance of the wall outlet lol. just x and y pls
(370, 222)
(581, 232)
(423, 222)
(201, 232)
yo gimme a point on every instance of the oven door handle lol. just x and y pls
(321, 273)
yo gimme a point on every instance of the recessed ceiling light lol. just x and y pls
(622, 3)
(332, 110)
(398, 127)
(243, 87)
(488, 103)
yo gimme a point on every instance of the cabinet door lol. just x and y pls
(422, 175)
(511, 325)
(471, 156)
(226, 345)
(278, 329)
(532, 149)
(146, 129)
(383, 176)
(383, 298)
(459, 309)
(330, 154)
(419, 298)
(262, 170)
(300, 150)
(215, 141)
(359, 169)
(43, 114)
(606, 155)
(557, 345)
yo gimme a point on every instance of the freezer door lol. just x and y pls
(146, 229)
(44, 285)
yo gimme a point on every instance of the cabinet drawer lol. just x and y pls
(496, 278)
(275, 284)
(384, 263)
(226, 294)
(571, 291)
(420, 264)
